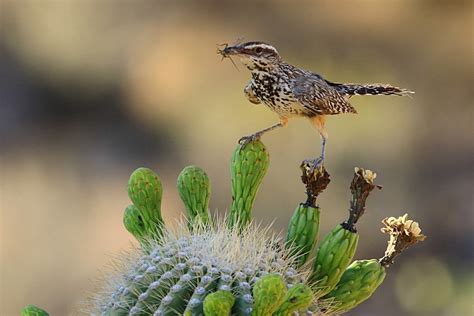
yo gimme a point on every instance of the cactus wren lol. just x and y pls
(290, 91)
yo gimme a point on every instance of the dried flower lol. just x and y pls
(367, 174)
(403, 233)
(316, 179)
(361, 186)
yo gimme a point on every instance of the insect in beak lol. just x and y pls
(226, 52)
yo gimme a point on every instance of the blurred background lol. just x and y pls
(91, 90)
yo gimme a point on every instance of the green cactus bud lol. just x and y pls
(194, 189)
(133, 222)
(269, 293)
(334, 255)
(299, 297)
(32, 310)
(357, 284)
(218, 303)
(303, 233)
(145, 191)
(249, 165)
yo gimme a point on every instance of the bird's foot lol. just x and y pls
(244, 141)
(313, 164)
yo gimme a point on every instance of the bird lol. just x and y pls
(290, 91)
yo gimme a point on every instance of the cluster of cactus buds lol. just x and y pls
(233, 267)
(360, 280)
(338, 248)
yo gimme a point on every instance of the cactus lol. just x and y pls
(360, 280)
(32, 310)
(218, 303)
(216, 267)
(145, 191)
(298, 297)
(333, 256)
(357, 284)
(181, 271)
(248, 167)
(133, 222)
(304, 224)
(269, 293)
(303, 232)
(338, 247)
(195, 190)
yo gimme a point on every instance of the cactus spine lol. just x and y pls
(178, 275)
(248, 167)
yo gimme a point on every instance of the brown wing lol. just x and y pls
(319, 98)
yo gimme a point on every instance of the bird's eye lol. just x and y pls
(258, 50)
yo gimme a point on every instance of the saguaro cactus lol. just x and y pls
(145, 191)
(269, 293)
(298, 297)
(218, 303)
(195, 191)
(248, 167)
(231, 267)
(360, 280)
(32, 310)
(304, 224)
(338, 247)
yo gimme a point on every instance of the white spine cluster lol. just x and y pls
(177, 273)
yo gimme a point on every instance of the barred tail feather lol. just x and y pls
(372, 89)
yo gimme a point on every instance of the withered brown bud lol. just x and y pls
(361, 186)
(316, 179)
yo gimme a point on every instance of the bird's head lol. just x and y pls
(254, 55)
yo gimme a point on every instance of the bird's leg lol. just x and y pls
(253, 137)
(318, 122)
(323, 146)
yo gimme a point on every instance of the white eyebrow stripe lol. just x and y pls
(262, 46)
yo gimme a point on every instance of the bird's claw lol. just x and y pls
(244, 141)
(314, 164)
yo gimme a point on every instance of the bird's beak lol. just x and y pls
(231, 50)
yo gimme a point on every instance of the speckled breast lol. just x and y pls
(275, 92)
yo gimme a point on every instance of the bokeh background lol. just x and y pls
(90, 90)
